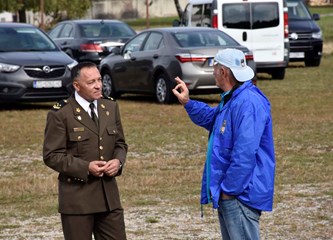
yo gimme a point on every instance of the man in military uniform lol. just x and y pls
(84, 142)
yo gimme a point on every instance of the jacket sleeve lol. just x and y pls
(121, 147)
(201, 114)
(248, 125)
(54, 149)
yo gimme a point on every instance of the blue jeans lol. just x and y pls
(238, 221)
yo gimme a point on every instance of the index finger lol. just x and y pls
(178, 80)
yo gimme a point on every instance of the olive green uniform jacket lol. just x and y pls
(71, 141)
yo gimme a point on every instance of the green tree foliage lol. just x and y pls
(10, 5)
(73, 8)
(70, 8)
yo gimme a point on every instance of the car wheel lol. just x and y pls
(278, 73)
(108, 86)
(163, 90)
(312, 62)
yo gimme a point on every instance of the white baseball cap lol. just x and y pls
(235, 60)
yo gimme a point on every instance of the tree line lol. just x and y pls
(55, 8)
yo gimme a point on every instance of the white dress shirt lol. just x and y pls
(85, 104)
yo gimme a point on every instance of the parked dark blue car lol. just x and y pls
(305, 36)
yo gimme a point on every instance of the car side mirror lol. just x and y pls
(316, 16)
(127, 55)
(116, 50)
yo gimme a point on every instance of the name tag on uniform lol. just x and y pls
(79, 129)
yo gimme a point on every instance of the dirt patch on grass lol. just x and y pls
(328, 48)
(303, 212)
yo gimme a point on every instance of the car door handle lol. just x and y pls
(63, 43)
(133, 58)
(244, 36)
(155, 56)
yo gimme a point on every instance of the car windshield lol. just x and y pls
(22, 39)
(105, 29)
(297, 10)
(203, 39)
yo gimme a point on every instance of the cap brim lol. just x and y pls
(244, 74)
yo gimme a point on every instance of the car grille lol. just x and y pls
(45, 71)
(301, 36)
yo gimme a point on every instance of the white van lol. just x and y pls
(260, 25)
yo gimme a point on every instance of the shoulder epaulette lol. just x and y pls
(59, 105)
(109, 98)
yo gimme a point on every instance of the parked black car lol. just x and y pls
(305, 36)
(90, 40)
(149, 62)
(32, 67)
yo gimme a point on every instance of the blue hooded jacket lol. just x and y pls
(242, 160)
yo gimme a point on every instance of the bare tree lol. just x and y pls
(179, 9)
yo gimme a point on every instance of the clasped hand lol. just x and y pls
(99, 168)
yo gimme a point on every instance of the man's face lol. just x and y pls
(222, 77)
(218, 74)
(89, 84)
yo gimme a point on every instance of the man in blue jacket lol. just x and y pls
(238, 177)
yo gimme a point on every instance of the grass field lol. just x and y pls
(166, 155)
(160, 185)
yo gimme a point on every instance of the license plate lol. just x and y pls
(296, 55)
(210, 62)
(47, 84)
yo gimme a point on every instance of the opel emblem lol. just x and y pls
(294, 36)
(47, 69)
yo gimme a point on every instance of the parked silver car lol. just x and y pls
(149, 62)
(32, 67)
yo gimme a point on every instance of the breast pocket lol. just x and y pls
(78, 141)
(112, 132)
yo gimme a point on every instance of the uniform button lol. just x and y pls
(102, 158)
(101, 147)
(114, 131)
(68, 180)
(79, 137)
(100, 138)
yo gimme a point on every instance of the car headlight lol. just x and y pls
(317, 35)
(72, 64)
(8, 68)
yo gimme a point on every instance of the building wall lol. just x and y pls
(6, 17)
(320, 2)
(124, 9)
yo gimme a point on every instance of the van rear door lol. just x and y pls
(256, 24)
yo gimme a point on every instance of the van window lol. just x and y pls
(201, 15)
(239, 15)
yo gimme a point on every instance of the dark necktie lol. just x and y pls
(93, 114)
